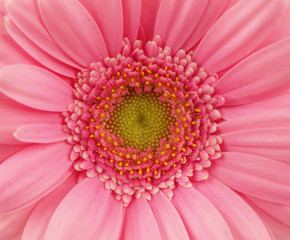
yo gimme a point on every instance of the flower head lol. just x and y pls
(144, 119)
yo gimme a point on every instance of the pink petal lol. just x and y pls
(242, 220)
(2, 7)
(12, 224)
(279, 211)
(8, 150)
(141, 34)
(37, 53)
(40, 217)
(40, 133)
(36, 87)
(88, 211)
(26, 17)
(254, 175)
(253, 80)
(109, 17)
(268, 142)
(140, 222)
(149, 11)
(14, 115)
(239, 31)
(211, 13)
(10, 52)
(281, 31)
(74, 30)
(231, 4)
(280, 230)
(257, 115)
(195, 210)
(131, 15)
(32, 173)
(176, 20)
(4, 98)
(169, 222)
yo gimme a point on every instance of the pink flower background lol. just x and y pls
(45, 43)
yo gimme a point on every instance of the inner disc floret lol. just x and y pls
(141, 120)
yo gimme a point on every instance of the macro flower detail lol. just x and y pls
(144, 119)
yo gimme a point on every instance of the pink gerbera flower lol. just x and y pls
(153, 119)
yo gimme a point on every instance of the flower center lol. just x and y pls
(141, 120)
(144, 122)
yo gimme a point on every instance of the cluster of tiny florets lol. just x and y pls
(177, 101)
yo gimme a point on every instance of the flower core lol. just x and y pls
(141, 120)
(144, 121)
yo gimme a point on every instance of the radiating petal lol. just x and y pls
(37, 53)
(169, 222)
(279, 211)
(131, 15)
(268, 142)
(88, 211)
(139, 222)
(36, 87)
(26, 16)
(4, 98)
(248, 119)
(148, 17)
(2, 7)
(74, 30)
(239, 31)
(254, 175)
(281, 31)
(211, 13)
(230, 4)
(12, 224)
(175, 20)
(10, 51)
(14, 115)
(280, 230)
(194, 209)
(40, 133)
(109, 17)
(260, 76)
(243, 221)
(257, 115)
(7, 150)
(40, 217)
(32, 173)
